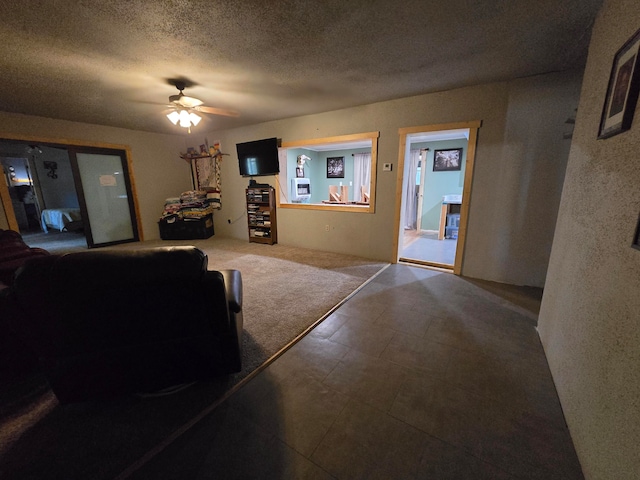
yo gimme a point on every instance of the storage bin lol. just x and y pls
(451, 232)
(453, 220)
(186, 229)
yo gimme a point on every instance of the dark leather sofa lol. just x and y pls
(112, 322)
(13, 253)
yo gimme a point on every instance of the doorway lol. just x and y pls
(435, 167)
(38, 176)
(78, 196)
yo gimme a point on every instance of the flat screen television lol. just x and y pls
(258, 158)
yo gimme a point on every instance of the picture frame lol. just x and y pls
(449, 159)
(622, 90)
(636, 238)
(335, 167)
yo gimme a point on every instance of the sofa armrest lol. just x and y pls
(233, 289)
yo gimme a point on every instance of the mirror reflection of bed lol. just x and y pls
(62, 230)
(42, 187)
(61, 219)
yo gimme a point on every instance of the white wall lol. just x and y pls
(590, 317)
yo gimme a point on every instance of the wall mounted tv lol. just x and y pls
(258, 158)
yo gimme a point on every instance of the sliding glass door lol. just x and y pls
(105, 195)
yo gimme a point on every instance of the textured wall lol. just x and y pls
(589, 321)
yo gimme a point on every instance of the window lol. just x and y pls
(339, 173)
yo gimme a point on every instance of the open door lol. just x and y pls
(105, 195)
(409, 155)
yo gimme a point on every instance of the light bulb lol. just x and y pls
(185, 121)
(195, 119)
(173, 117)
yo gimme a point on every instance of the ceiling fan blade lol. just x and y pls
(185, 101)
(217, 111)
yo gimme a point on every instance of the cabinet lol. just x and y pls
(261, 215)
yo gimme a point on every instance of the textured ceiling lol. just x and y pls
(108, 62)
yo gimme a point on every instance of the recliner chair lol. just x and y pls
(111, 322)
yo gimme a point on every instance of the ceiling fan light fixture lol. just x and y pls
(173, 117)
(195, 118)
(185, 120)
(184, 107)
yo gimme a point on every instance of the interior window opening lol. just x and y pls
(336, 173)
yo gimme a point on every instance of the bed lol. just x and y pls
(61, 219)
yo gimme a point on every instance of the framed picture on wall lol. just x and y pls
(622, 90)
(447, 160)
(335, 167)
(636, 238)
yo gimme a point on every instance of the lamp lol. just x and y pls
(184, 117)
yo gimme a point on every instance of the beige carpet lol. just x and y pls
(286, 290)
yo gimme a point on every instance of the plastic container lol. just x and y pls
(453, 220)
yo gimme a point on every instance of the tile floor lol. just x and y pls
(420, 375)
(427, 248)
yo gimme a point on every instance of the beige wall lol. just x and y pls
(590, 318)
(158, 171)
(518, 175)
(519, 169)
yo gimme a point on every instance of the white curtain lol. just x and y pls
(410, 203)
(361, 174)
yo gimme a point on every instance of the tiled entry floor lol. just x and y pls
(427, 248)
(419, 375)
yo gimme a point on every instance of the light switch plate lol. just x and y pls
(387, 167)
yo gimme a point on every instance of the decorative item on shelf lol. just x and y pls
(205, 151)
(206, 169)
(302, 159)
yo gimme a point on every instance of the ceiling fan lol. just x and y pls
(184, 108)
